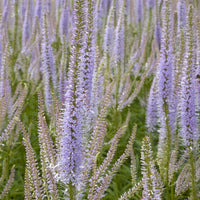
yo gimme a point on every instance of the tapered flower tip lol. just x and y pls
(139, 10)
(64, 21)
(181, 10)
(150, 4)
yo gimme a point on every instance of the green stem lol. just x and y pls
(172, 192)
(107, 76)
(139, 32)
(168, 150)
(151, 137)
(71, 191)
(176, 147)
(118, 84)
(150, 21)
(149, 42)
(193, 175)
(115, 14)
(196, 2)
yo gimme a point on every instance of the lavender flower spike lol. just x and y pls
(166, 104)
(188, 117)
(166, 72)
(47, 6)
(47, 52)
(48, 68)
(26, 25)
(71, 137)
(165, 79)
(157, 32)
(89, 49)
(139, 10)
(64, 22)
(88, 63)
(152, 112)
(181, 10)
(152, 186)
(38, 12)
(4, 16)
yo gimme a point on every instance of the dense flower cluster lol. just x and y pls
(79, 79)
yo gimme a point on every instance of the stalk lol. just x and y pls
(168, 149)
(71, 191)
(118, 83)
(194, 197)
(148, 47)
(176, 147)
